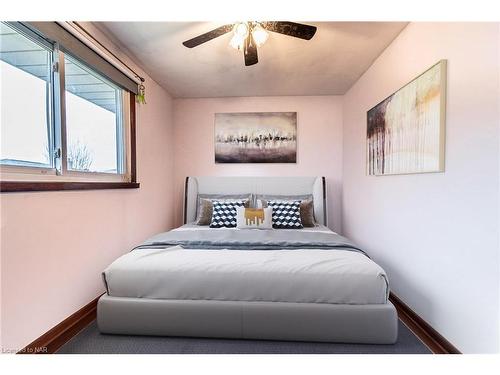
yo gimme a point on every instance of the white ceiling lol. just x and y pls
(328, 64)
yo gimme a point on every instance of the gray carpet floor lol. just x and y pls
(91, 341)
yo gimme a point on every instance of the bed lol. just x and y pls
(305, 284)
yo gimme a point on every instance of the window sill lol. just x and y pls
(26, 186)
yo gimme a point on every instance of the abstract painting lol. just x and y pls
(405, 132)
(256, 137)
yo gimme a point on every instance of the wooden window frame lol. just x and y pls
(33, 186)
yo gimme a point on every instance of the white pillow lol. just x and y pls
(254, 218)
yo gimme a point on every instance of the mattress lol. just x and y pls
(299, 275)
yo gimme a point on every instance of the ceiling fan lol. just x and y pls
(249, 35)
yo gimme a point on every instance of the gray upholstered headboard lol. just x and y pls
(256, 185)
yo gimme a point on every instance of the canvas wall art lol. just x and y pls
(256, 137)
(405, 132)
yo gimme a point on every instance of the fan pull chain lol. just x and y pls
(141, 95)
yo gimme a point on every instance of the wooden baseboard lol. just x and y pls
(52, 340)
(423, 330)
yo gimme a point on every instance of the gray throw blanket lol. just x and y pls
(248, 239)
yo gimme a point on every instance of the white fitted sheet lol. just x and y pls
(302, 276)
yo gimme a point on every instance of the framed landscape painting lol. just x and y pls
(256, 137)
(406, 131)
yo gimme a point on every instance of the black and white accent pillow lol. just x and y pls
(224, 214)
(286, 214)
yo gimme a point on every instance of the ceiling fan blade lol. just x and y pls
(250, 51)
(297, 30)
(196, 41)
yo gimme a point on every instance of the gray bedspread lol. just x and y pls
(246, 239)
(300, 266)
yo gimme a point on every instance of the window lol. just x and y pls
(62, 120)
(26, 119)
(93, 120)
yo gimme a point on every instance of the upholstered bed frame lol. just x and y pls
(376, 323)
(316, 186)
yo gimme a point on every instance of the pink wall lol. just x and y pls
(55, 244)
(319, 150)
(435, 234)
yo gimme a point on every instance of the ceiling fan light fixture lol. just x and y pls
(249, 35)
(240, 33)
(237, 42)
(241, 29)
(259, 35)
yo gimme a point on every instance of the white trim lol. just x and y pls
(16, 170)
(127, 134)
(60, 112)
(44, 174)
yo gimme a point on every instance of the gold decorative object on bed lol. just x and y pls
(254, 216)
